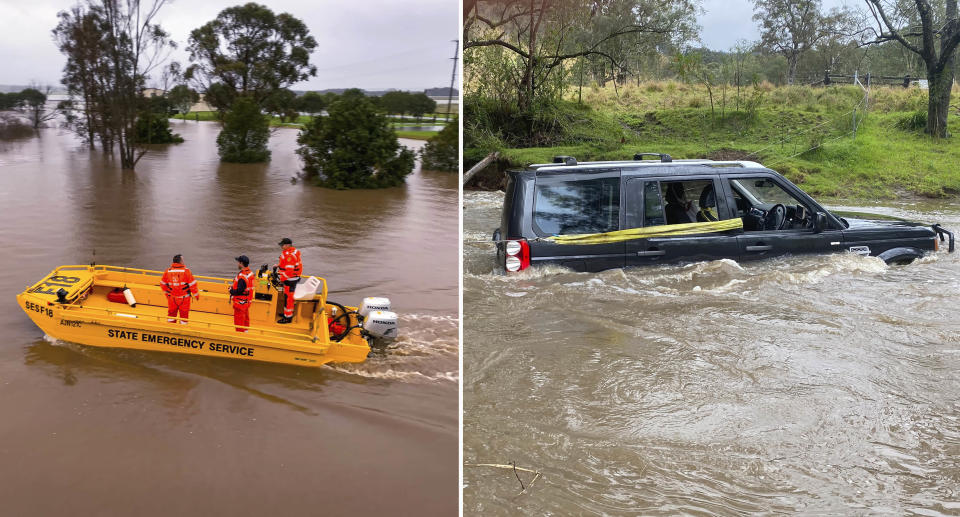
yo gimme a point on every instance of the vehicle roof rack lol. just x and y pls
(562, 162)
(664, 158)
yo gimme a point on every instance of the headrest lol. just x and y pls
(707, 197)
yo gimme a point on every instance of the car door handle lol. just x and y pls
(652, 252)
(759, 248)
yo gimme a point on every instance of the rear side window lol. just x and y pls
(652, 207)
(582, 206)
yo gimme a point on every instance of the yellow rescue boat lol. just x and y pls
(73, 303)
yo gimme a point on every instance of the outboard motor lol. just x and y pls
(380, 324)
(374, 304)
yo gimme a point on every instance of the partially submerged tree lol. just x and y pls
(33, 103)
(354, 146)
(112, 46)
(245, 133)
(442, 152)
(930, 33)
(249, 52)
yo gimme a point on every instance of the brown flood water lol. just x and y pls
(825, 385)
(99, 431)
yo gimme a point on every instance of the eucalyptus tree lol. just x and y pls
(932, 32)
(531, 42)
(251, 50)
(112, 46)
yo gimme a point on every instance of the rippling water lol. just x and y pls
(100, 431)
(820, 384)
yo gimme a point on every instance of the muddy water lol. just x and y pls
(99, 431)
(818, 385)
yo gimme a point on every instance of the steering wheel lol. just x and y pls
(775, 218)
(275, 280)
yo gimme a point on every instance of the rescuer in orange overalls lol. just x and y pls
(178, 284)
(241, 293)
(290, 269)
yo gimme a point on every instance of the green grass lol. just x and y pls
(883, 161)
(211, 116)
(416, 135)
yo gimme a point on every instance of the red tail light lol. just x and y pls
(517, 256)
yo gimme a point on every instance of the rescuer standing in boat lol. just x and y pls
(241, 293)
(178, 284)
(290, 269)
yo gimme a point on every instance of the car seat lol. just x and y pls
(708, 201)
(675, 210)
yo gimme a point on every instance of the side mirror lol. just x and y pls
(819, 222)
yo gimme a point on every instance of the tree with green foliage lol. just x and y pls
(530, 44)
(8, 101)
(312, 103)
(182, 97)
(111, 46)
(33, 103)
(395, 102)
(153, 124)
(251, 50)
(442, 152)
(282, 103)
(419, 104)
(790, 28)
(920, 29)
(154, 128)
(245, 133)
(354, 146)
(220, 97)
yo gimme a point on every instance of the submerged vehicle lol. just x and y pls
(122, 307)
(600, 215)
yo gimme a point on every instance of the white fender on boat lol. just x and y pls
(128, 295)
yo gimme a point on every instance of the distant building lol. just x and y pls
(154, 92)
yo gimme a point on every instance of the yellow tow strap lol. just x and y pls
(650, 231)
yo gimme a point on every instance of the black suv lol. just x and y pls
(569, 198)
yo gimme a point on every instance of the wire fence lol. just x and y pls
(847, 129)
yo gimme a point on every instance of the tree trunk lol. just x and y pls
(792, 60)
(938, 106)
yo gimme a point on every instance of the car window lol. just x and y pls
(574, 207)
(756, 197)
(679, 202)
(763, 191)
(652, 204)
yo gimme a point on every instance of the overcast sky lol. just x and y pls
(724, 22)
(368, 44)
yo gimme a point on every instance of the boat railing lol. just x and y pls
(152, 272)
(194, 323)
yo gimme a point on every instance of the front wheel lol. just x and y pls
(900, 256)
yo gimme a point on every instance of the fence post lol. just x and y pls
(854, 123)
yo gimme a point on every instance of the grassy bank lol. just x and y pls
(802, 132)
(211, 116)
